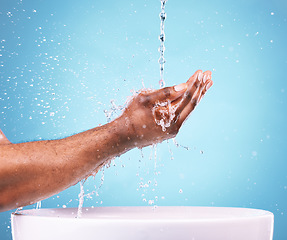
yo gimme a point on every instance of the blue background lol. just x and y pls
(62, 62)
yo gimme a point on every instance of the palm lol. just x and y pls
(154, 116)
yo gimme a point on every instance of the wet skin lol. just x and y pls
(33, 171)
(138, 117)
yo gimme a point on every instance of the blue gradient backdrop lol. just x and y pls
(61, 62)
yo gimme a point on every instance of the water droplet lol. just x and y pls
(161, 37)
(161, 83)
(161, 60)
(162, 16)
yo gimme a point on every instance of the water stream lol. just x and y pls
(164, 123)
(161, 49)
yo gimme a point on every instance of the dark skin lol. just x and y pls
(33, 171)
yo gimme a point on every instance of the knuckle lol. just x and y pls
(193, 102)
(197, 84)
(143, 99)
(188, 95)
(166, 92)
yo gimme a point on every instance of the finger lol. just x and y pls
(203, 78)
(188, 95)
(208, 84)
(194, 79)
(188, 109)
(206, 76)
(195, 76)
(194, 101)
(167, 93)
(172, 93)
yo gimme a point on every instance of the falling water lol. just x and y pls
(81, 199)
(161, 49)
(38, 205)
(164, 122)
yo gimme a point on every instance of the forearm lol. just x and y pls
(33, 171)
(36, 170)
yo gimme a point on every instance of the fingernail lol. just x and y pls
(209, 85)
(200, 75)
(205, 77)
(180, 87)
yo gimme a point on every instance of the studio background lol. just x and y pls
(62, 62)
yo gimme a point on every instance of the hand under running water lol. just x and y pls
(33, 171)
(154, 116)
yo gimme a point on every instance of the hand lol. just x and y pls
(156, 115)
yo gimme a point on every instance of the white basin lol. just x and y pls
(136, 223)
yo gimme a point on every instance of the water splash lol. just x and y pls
(147, 185)
(18, 210)
(113, 111)
(164, 113)
(161, 49)
(102, 178)
(179, 145)
(170, 151)
(154, 147)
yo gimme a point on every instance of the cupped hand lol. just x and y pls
(156, 115)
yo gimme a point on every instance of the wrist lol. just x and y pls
(123, 133)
